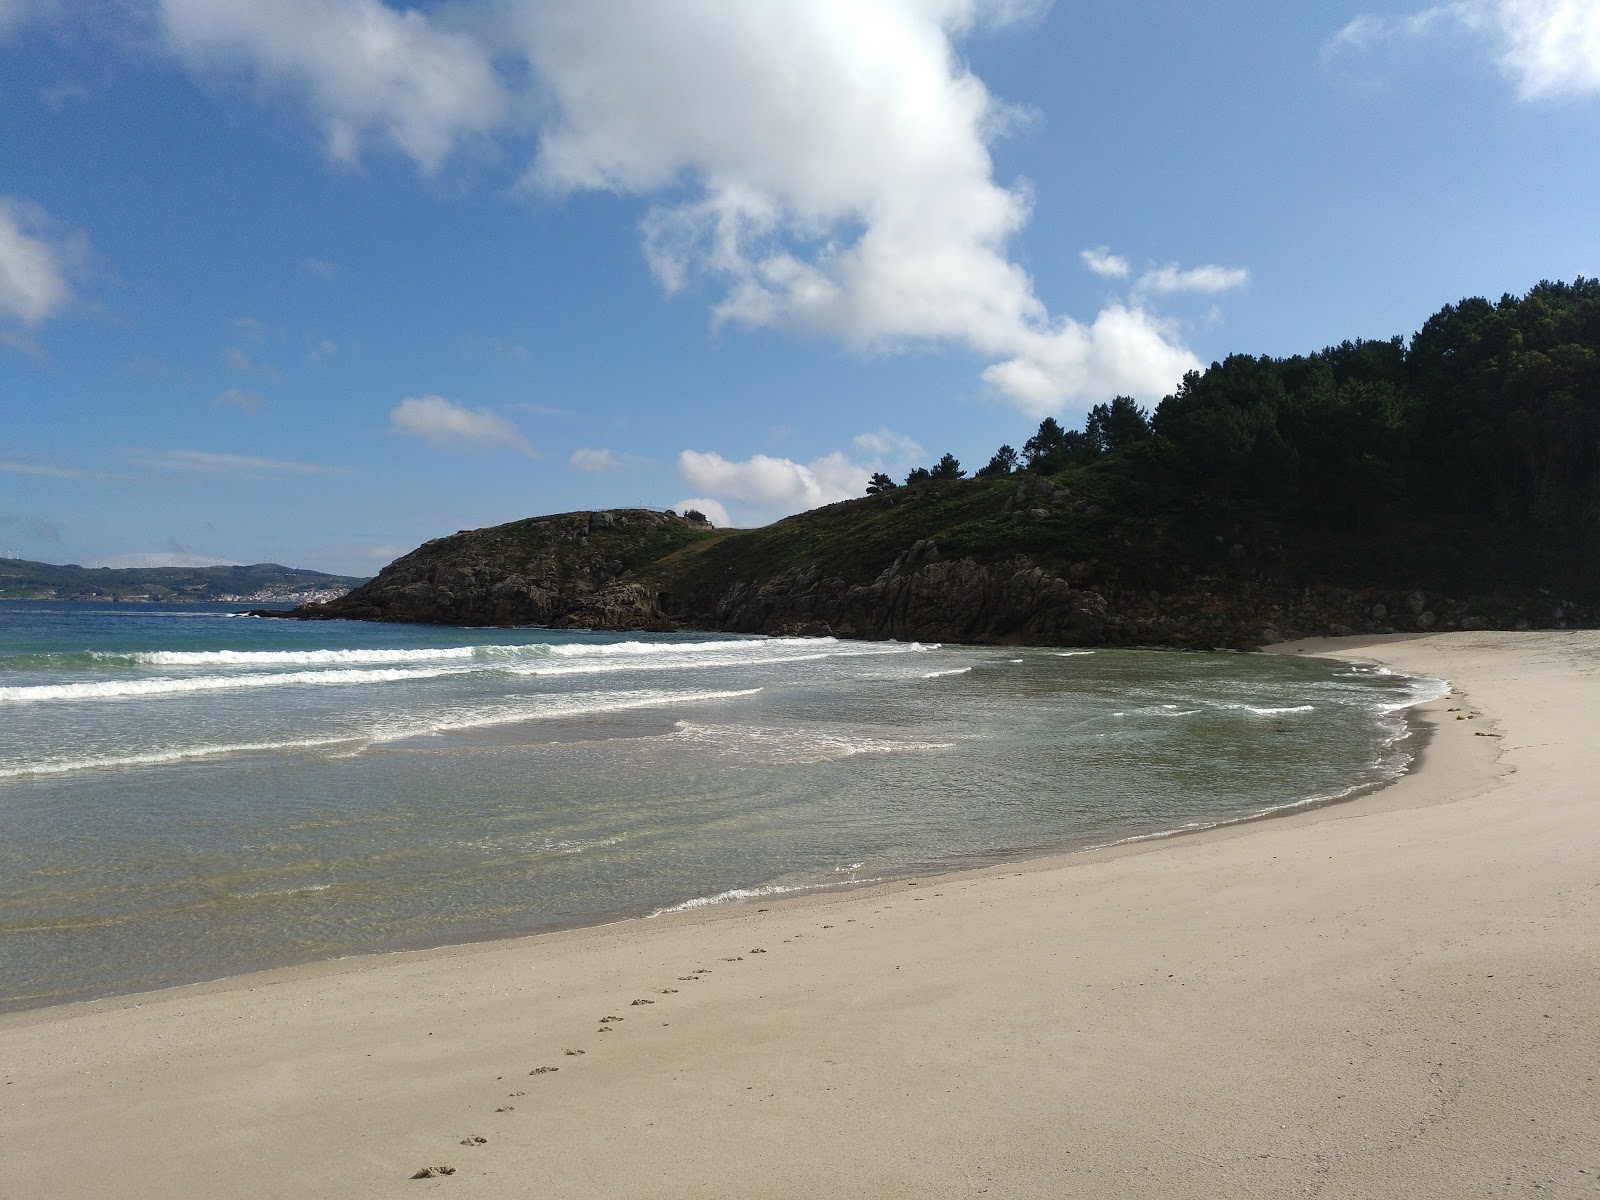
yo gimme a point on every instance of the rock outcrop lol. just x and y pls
(563, 571)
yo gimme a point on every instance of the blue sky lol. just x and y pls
(316, 280)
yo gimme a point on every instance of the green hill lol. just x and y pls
(1449, 482)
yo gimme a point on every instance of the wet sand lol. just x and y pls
(1397, 996)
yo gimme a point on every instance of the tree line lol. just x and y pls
(1490, 410)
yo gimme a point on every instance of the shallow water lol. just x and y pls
(185, 793)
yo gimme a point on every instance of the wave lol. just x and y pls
(156, 758)
(796, 745)
(284, 658)
(121, 689)
(591, 705)
(753, 893)
(942, 674)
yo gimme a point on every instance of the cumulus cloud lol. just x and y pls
(713, 510)
(1207, 280)
(36, 257)
(367, 70)
(1105, 264)
(453, 427)
(822, 165)
(776, 486)
(1548, 49)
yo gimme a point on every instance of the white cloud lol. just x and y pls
(451, 426)
(368, 70)
(1549, 49)
(824, 164)
(1105, 264)
(1127, 351)
(774, 486)
(886, 445)
(232, 464)
(713, 510)
(604, 460)
(35, 258)
(1207, 280)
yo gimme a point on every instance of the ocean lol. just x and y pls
(187, 793)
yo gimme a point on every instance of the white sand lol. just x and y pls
(1399, 996)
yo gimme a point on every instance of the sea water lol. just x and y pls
(187, 793)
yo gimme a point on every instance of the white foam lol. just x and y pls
(1073, 653)
(942, 674)
(154, 758)
(796, 745)
(755, 893)
(291, 658)
(119, 689)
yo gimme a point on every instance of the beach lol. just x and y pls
(1394, 996)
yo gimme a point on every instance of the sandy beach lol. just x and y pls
(1395, 996)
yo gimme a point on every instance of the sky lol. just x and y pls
(314, 281)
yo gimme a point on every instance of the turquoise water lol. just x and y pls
(186, 793)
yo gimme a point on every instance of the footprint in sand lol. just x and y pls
(514, 1095)
(636, 1003)
(758, 950)
(609, 1020)
(738, 958)
(669, 991)
(430, 1172)
(543, 1070)
(507, 1108)
(474, 1140)
(572, 1052)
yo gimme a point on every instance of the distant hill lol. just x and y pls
(24, 580)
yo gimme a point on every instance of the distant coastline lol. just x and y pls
(259, 583)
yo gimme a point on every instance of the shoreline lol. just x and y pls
(1411, 743)
(1301, 1001)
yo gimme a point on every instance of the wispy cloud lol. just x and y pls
(210, 462)
(450, 426)
(1548, 49)
(321, 268)
(601, 460)
(50, 471)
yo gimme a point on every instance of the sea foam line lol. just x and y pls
(121, 689)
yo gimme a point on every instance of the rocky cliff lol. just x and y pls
(570, 570)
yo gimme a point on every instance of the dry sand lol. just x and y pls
(1398, 996)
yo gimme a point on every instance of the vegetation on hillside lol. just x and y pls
(1466, 459)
